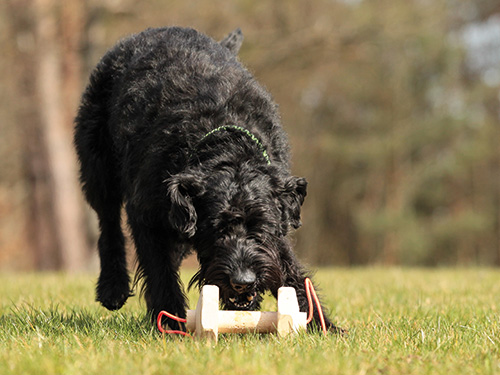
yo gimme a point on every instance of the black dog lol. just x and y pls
(175, 128)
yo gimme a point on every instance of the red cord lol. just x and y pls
(310, 289)
(176, 318)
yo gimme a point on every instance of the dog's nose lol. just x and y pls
(243, 280)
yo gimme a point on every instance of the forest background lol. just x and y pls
(392, 108)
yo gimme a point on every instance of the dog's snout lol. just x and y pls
(243, 280)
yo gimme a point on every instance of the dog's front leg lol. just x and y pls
(159, 256)
(294, 276)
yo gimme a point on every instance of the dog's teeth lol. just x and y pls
(232, 300)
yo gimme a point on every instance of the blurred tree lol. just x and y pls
(391, 134)
(390, 123)
(14, 243)
(58, 77)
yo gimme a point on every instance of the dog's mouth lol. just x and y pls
(243, 301)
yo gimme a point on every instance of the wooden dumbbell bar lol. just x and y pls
(207, 321)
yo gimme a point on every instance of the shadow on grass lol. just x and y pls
(56, 321)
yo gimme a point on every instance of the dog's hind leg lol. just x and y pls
(113, 285)
(102, 188)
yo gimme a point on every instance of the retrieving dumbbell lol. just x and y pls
(207, 321)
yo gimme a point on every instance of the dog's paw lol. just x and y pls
(337, 330)
(112, 293)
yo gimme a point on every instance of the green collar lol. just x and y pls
(248, 133)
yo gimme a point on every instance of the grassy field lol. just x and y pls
(401, 321)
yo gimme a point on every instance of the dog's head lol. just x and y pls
(237, 219)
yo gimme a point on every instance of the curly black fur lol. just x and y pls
(141, 137)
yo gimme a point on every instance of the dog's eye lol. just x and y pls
(253, 223)
(231, 218)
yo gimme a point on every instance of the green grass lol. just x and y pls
(400, 321)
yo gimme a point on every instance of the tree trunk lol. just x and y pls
(57, 135)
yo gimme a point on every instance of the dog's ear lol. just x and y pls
(292, 197)
(233, 41)
(181, 189)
